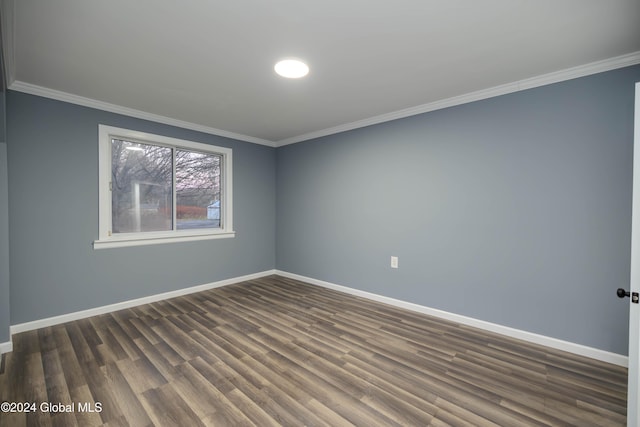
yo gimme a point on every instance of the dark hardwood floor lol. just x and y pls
(275, 351)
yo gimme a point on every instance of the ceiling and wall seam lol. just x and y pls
(530, 83)
(542, 80)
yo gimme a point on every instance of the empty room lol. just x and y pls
(287, 213)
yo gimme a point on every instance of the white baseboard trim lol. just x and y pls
(579, 349)
(56, 320)
(6, 347)
(582, 350)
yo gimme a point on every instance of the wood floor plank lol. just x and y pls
(57, 389)
(82, 395)
(276, 351)
(37, 390)
(292, 412)
(226, 411)
(166, 408)
(195, 390)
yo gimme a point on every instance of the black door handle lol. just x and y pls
(622, 293)
(635, 296)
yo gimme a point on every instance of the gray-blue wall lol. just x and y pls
(514, 210)
(53, 216)
(4, 230)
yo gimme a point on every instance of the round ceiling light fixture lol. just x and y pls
(291, 68)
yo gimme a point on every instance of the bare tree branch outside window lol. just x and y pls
(143, 188)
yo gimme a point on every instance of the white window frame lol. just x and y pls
(107, 239)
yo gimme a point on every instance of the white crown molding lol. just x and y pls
(32, 89)
(579, 349)
(6, 347)
(542, 80)
(56, 320)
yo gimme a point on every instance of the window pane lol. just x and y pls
(141, 196)
(198, 200)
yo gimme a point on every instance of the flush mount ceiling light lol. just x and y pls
(291, 68)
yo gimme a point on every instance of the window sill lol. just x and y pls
(125, 241)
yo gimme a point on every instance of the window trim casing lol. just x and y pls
(106, 239)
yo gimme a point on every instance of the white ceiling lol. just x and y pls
(209, 64)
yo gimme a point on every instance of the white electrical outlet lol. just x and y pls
(394, 262)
